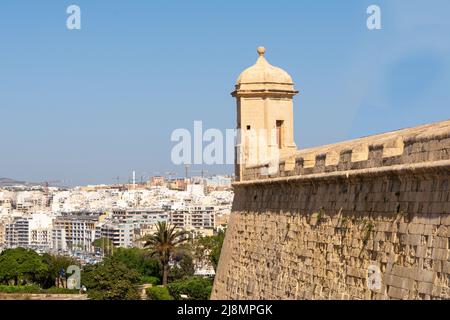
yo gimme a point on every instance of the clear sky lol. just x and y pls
(89, 105)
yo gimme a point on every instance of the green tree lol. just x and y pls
(183, 265)
(55, 263)
(21, 266)
(8, 267)
(214, 256)
(209, 248)
(163, 243)
(110, 280)
(139, 260)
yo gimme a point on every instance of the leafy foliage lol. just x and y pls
(138, 260)
(183, 265)
(158, 293)
(33, 288)
(111, 280)
(195, 288)
(21, 266)
(209, 248)
(55, 264)
(151, 280)
(117, 277)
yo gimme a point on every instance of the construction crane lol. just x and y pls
(171, 174)
(202, 172)
(45, 189)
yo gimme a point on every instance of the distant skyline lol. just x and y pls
(86, 106)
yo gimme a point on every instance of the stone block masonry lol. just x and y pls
(317, 231)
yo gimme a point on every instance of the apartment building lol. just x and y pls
(193, 217)
(2, 233)
(140, 216)
(17, 232)
(40, 231)
(122, 234)
(72, 233)
(6, 204)
(28, 201)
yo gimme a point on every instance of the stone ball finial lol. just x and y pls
(261, 51)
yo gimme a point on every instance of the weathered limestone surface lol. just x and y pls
(315, 231)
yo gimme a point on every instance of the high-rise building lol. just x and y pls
(193, 217)
(74, 233)
(17, 232)
(2, 233)
(40, 231)
(121, 234)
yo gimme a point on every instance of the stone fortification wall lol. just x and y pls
(363, 219)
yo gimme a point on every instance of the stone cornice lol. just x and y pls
(432, 167)
(264, 93)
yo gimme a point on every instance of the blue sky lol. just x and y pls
(92, 104)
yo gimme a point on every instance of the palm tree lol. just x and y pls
(162, 244)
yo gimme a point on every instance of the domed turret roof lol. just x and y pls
(263, 72)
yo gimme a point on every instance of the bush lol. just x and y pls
(158, 293)
(151, 280)
(56, 290)
(195, 288)
(35, 289)
(20, 289)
